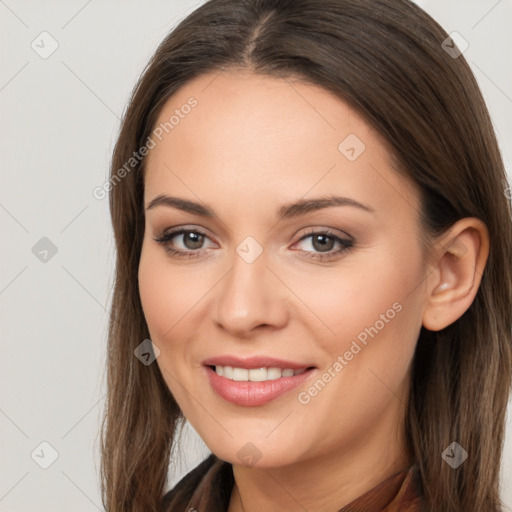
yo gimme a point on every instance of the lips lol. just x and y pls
(230, 378)
(255, 362)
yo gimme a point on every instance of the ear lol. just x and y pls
(460, 255)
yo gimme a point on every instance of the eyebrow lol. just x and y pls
(286, 211)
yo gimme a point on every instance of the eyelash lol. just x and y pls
(346, 244)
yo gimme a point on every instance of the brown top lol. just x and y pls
(207, 488)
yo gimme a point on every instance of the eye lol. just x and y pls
(320, 243)
(190, 240)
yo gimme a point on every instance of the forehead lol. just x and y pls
(277, 137)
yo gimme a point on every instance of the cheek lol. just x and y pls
(377, 322)
(154, 298)
(165, 300)
(371, 297)
(167, 292)
(160, 293)
(368, 359)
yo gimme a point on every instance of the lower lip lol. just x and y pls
(251, 394)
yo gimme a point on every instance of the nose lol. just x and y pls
(251, 296)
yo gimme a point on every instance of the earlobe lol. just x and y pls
(460, 255)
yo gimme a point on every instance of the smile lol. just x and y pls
(255, 374)
(251, 387)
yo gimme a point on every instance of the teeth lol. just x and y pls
(274, 373)
(240, 374)
(255, 374)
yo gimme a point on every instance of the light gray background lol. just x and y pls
(59, 120)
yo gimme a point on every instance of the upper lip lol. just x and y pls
(254, 362)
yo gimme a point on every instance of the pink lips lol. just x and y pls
(254, 362)
(251, 394)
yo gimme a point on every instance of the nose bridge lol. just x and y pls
(248, 296)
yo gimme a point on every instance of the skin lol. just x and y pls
(250, 145)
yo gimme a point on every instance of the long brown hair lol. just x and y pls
(387, 59)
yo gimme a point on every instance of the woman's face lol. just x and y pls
(333, 285)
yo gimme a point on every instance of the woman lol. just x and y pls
(311, 228)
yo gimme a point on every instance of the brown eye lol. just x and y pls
(320, 245)
(185, 243)
(323, 242)
(193, 240)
